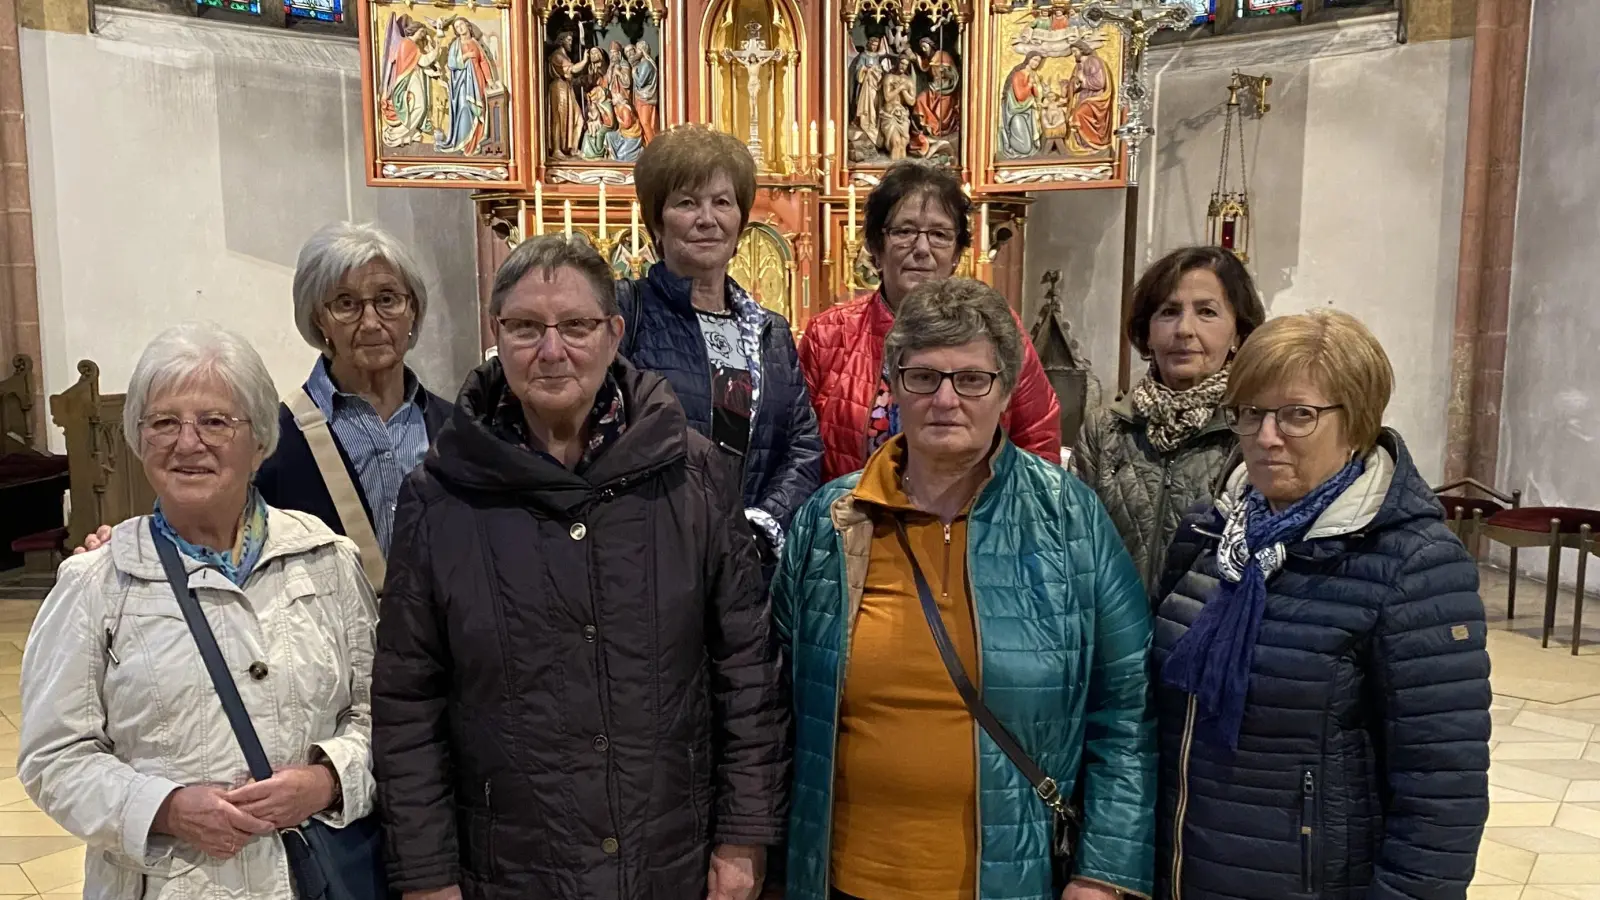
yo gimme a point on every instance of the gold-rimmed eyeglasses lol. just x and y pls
(214, 429)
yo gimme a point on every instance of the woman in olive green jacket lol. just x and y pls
(1158, 449)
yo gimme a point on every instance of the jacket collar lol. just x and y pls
(877, 486)
(880, 318)
(133, 551)
(1350, 512)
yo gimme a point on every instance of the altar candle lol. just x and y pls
(602, 210)
(984, 231)
(538, 207)
(635, 222)
(813, 138)
(827, 231)
(566, 218)
(794, 138)
(830, 136)
(852, 233)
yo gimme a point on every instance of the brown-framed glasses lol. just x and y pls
(906, 236)
(214, 429)
(348, 310)
(970, 383)
(1296, 420)
(531, 331)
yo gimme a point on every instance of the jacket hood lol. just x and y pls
(1389, 494)
(469, 457)
(289, 533)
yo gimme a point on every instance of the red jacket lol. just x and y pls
(841, 355)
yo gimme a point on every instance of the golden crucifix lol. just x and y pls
(753, 55)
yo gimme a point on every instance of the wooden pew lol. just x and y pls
(108, 483)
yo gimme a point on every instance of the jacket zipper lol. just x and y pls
(488, 836)
(694, 791)
(1308, 812)
(1184, 748)
(977, 740)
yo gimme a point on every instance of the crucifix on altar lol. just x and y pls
(753, 55)
(1138, 19)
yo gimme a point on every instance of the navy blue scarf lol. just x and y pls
(1212, 660)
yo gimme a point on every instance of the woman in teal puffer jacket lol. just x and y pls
(898, 793)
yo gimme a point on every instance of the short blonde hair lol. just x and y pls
(1332, 350)
(685, 158)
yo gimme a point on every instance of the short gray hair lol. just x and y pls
(329, 255)
(547, 253)
(185, 352)
(953, 312)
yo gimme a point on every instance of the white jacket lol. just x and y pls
(118, 710)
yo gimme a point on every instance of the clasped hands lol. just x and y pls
(220, 822)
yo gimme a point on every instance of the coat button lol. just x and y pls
(578, 531)
(258, 670)
(590, 632)
(600, 743)
(609, 845)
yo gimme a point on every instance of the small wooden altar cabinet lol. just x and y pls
(541, 107)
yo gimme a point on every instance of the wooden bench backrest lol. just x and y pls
(108, 483)
(16, 408)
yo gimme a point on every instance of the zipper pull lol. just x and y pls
(1308, 785)
(947, 534)
(486, 801)
(111, 639)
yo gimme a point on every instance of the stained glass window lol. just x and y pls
(1210, 7)
(320, 10)
(249, 7)
(1267, 7)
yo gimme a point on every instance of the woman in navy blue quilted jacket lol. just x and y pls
(731, 361)
(1323, 685)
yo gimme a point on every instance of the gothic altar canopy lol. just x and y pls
(542, 106)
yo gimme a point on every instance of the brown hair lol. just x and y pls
(1159, 282)
(914, 178)
(952, 312)
(1332, 350)
(685, 158)
(547, 253)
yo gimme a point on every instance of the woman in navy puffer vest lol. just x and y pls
(731, 362)
(1323, 684)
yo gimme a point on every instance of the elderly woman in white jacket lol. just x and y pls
(124, 740)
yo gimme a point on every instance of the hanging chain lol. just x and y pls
(1227, 136)
(1244, 177)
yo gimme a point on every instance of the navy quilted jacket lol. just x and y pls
(1064, 638)
(1362, 768)
(783, 465)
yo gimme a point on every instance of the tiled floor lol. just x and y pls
(1542, 843)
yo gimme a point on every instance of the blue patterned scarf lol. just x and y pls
(235, 568)
(1212, 660)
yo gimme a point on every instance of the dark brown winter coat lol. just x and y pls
(576, 693)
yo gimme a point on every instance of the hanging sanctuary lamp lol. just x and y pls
(1228, 214)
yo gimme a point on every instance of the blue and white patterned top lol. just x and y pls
(383, 453)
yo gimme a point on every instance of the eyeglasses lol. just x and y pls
(1296, 420)
(904, 236)
(967, 382)
(573, 332)
(348, 310)
(214, 429)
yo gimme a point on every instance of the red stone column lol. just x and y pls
(1488, 237)
(19, 287)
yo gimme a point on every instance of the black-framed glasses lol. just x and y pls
(970, 383)
(214, 429)
(532, 331)
(906, 236)
(347, 310)
(1295, 420)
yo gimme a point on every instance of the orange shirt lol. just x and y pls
(905, 783)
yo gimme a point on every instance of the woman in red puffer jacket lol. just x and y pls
(917, 227)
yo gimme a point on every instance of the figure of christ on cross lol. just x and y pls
(753, 55)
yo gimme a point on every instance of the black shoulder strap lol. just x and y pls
(1043, 784)
(228, 692)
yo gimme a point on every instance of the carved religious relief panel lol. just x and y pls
(1055, 98)
(600, 84)
(904, 84)
(443, 107)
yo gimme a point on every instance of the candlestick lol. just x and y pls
(830, 135)
(827, 231)
(984, 230)
(566, 218)
(538, 207)
(602, 211)
(852, 233)
(813, 138)
(634, 219)
(522, 220)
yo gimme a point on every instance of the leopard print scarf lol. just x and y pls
(1175, 416)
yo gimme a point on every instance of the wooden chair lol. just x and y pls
(1556, 528)
(108, 483)
(1465, 515)
(32, 481)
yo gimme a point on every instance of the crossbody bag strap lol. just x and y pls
(346, 501)
(227, 691)
(1043, 784)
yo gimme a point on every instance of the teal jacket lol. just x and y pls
(1064, 635)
